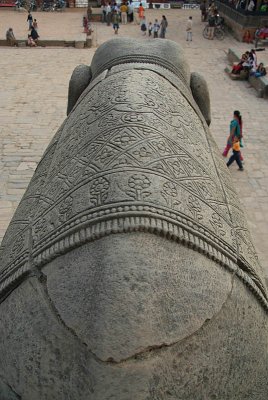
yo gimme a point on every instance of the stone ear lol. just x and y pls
(200, 93)
(80, 79)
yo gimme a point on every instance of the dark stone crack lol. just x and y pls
(10, 389)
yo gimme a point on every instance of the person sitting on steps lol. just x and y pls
(10, 37)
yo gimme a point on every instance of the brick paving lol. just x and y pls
(33, 98)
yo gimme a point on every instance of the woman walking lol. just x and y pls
(141, 11)
(235, 132)
(163, 27)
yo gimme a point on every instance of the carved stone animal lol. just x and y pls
(128, 271)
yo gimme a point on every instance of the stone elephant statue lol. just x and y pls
(128, 271)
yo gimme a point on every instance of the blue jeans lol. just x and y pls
(235, 157)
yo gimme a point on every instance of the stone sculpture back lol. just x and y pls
(128, 271)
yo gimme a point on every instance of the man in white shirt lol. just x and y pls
(108, 14)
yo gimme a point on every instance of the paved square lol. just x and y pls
(33, 99)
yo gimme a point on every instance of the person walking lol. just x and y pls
(123, 10)
(236, 154)
(115, 20)
(235, 132)
(163, 27)
(30, 20)
(189, 26)
(141, 11)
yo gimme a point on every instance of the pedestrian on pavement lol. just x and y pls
(130, 11)
(156, 28)
(123, 10)
(150, 29)
(89, 13)
(211, 25)
(30, 20)
(203, 8)
(136, 16)
(211, 9)
(108, 14)
(85, 24)
(143, 26)
(116, 19)
(35, 24)
(236, 154)
(103, 8)
(34, 35)
(10, 37)
(235, 132)
(189, 26)
(163, 26)
(141, 11)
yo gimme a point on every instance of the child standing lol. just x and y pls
(156, 28)
(35, 25)
(236, 154)
(150, 29)
(116, 22)
(189, 26)
(143, 26)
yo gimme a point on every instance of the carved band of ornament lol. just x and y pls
(93, 230)
(142, 59)
(104, 213)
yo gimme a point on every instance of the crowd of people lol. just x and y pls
(126, 12)
(33, 36)
(115, 14)
(248, 65)
(155, 29)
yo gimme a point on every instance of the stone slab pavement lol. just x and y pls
(33, 98)
(65, 25)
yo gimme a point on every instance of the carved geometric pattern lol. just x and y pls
(133, 155)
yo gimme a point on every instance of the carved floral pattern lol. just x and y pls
(138, 183)
(170, 193)
(217, 225)
(195, 207)
(99, 191)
